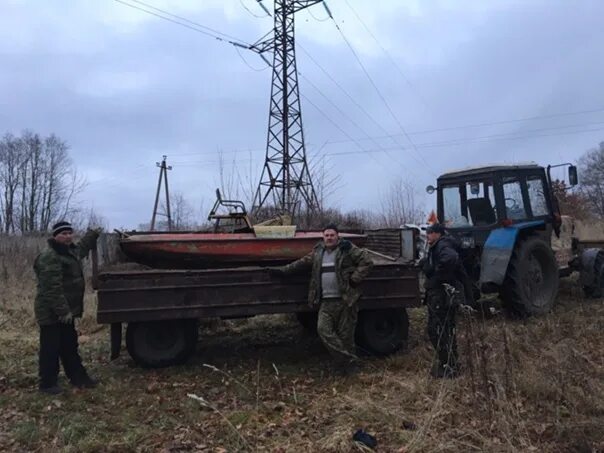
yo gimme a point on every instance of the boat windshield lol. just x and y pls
(469, 204)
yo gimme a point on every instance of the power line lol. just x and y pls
(249, 65)
(453, 142)
(342, 89)
(516, 120)
(392, 60)
(191, 25)
(212, 30)
(483, 140)
(251, 12)
(346, 116)
(344, 132)
(427, 145)
(354, 101)
(570, 126)
(316, 18)
(195, 26)
(378, 91)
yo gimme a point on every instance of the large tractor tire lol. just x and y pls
(531, 283)
(159, 344)
(596, 287)
(382, 332)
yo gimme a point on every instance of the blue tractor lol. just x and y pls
(506, 219)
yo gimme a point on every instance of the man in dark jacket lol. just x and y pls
(337, 269)
(442, 268)
(59, 300)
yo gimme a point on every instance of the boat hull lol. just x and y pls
(209, 250)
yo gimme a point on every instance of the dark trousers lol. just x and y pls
(59, 341)
(441, 327)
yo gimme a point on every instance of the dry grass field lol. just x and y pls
(265, 385)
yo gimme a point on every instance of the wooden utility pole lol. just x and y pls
(163, 174)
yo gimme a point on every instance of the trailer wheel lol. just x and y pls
(382, 332)
(158, 344)
(308, 320)
(531, 283)
(596, 289)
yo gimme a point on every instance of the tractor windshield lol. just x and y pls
(469, 204)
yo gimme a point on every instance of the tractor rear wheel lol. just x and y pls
(531, 283)
(596, 288)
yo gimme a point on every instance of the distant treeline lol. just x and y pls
(38, 182)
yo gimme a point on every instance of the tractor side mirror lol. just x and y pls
(573, 179)
(430, 189)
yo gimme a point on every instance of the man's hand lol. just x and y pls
(353, 284)
(66, 319)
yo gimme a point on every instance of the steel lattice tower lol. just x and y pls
(285, 175)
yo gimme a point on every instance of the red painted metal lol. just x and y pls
(207, 250)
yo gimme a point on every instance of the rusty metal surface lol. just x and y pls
(153, 295)
(386, 241)
(207, 250)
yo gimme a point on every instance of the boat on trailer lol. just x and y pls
(214, 250)
(272, 242)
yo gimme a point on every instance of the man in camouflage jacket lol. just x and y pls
(337, 269)
(59, 300)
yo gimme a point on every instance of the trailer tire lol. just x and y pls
(596, 288)
(531, 283)
(382, 332)
(158, 344)
(308, 320)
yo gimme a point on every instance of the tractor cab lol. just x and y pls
(473, 202)
(503, 217)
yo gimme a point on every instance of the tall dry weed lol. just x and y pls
(17, 255)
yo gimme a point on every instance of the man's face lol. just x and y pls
(64, 237)
(330, 238)
(433, 237)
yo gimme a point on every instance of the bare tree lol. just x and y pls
(572, 203)
(399, 205)
(182, 212)
(12, 159)
(237, 178)
(38, 182)
(591, 168)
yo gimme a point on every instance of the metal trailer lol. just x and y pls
(161, 308)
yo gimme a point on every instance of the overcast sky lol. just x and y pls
(123, 88)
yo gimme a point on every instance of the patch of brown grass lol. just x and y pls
(531, 385)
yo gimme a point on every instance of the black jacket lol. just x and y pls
(442, 263)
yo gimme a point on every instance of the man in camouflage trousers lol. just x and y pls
(59, 300)
(337, 269)
(444, 292)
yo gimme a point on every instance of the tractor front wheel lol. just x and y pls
(531, 283)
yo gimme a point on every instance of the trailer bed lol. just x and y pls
(135, 296)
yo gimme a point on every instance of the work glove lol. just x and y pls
(275, 271)
(66, 319)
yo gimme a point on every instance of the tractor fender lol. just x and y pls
(589, 275)
(498, 249)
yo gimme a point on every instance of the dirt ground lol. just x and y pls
(265, 384)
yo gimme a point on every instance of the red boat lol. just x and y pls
(215, 250)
